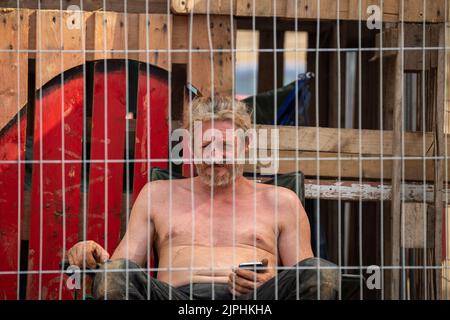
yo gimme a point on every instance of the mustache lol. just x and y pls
(216, 164)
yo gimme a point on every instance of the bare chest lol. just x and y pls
(246, 223)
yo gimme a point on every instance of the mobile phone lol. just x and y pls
(258, 266)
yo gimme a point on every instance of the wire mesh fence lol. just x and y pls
(161, 144)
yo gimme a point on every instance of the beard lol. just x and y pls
(225, 177)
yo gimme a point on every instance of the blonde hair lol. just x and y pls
(219, 108)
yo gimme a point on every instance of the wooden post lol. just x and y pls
(393, 276)
(212, 72)
(439, 163)
(266, 71)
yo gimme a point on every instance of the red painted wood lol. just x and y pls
(47, 233)
(11, 202)
(152, 131)
(106, 180)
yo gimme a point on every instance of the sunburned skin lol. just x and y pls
(201, 232)
(203, 238)
(198, 239)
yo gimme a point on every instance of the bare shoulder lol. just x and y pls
(280, 196)
(159, 190)
(161, 185)
(290, 208)
(154, 196)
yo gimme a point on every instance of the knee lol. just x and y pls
(328, 271)
(110, 279)
(321, 273)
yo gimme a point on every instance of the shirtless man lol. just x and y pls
(202, 228)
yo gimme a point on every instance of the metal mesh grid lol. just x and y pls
(342, 206)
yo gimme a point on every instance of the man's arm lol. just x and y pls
(294, 239)
(140, 232)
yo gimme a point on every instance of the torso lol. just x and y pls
(205, 240)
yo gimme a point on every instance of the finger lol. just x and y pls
(237, 289)
(78, 257)
(241, 289)
(70, 258)
(90, 260)
(243, 282)
(250, 275)
(232, 283)
(101, 254)
(247, 274)
(82, 255)
(234, 292)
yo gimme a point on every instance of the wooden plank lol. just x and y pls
(13, 96)
(58, 194)
(114, 33)
(439, 168)
(53, 33)
(106, 31)
(135, 6)
(202, 6)
(210, 72)
(309, 9)
(413, 8)
(153, 93)
(102, 36)
(434, 11)
(264, 8)
(153, 35)
(416, 217)
(414, 39)
(98, 35)
(359, 9)
(152, 130)
(307, 162)
(55, 203)
(180, 39)
(349, 10)
(107, 143)
(397, 101)
(349, 140)
(12, 148)
(13, 65)
(367, 191)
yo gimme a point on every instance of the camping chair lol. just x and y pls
(294, 181)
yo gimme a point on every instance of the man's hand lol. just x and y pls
(93, 252)
(243, 281)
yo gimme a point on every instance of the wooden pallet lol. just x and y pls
(57, 186)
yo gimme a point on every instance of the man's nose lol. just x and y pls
(222, 157)
(215, 156)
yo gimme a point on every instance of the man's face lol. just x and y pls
(220, 154)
